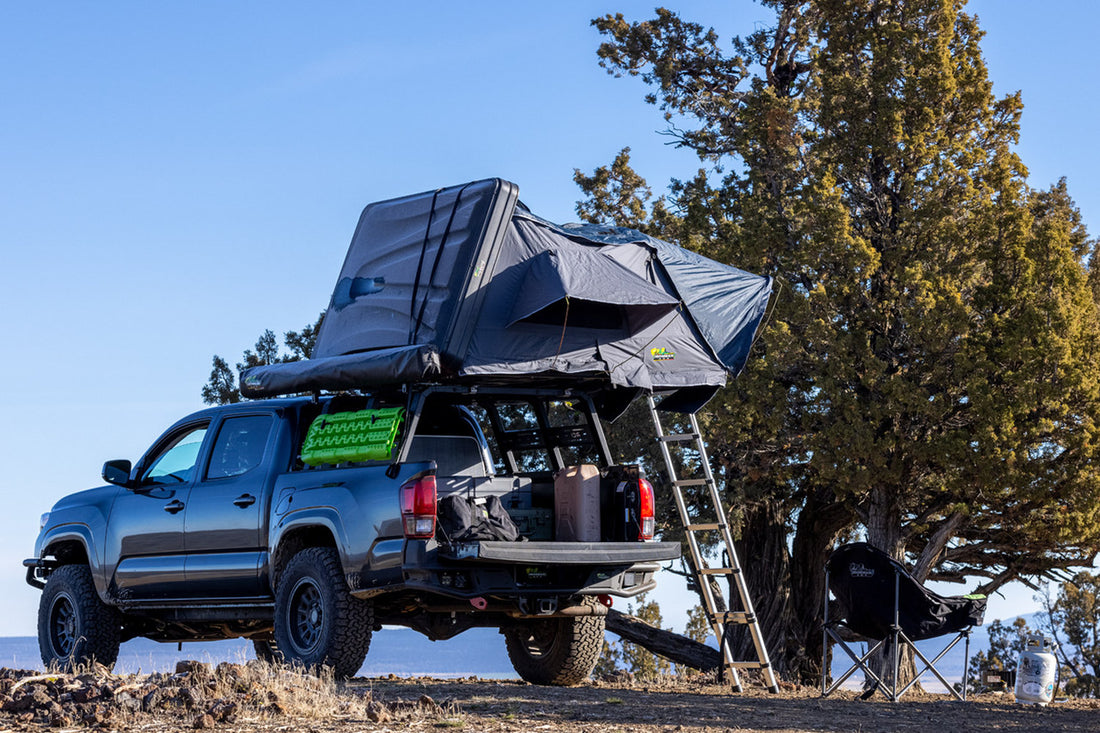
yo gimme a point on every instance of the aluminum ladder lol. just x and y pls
(716, 606)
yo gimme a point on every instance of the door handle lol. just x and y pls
(174, 506)
(245, 500)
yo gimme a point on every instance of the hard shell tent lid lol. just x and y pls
(464, 284)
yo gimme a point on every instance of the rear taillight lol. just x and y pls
(646, 513)
(418, 508)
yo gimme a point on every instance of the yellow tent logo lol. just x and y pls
(660, 353)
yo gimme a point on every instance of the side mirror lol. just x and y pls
(117, 472)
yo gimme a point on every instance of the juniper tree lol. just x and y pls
(928, 373)
(222, 389)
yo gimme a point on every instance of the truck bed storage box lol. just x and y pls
(465, 284)
(365, 435)
(577, 504)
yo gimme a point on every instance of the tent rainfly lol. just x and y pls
(465, 285)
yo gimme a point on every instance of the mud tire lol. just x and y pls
(76, 628)
(318, 623)
(560, 651)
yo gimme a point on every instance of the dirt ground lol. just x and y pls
(240, 698)
(515, 706)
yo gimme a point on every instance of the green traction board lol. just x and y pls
(366, 435)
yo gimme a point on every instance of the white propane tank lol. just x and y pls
(1035, 670)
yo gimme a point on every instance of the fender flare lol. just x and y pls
(82, 534)
(327, 517)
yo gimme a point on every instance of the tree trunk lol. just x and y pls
(820, 522)
(762, 551)
(668, 644)
(884, 532)
(787, 588)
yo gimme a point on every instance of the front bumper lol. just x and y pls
(33, 565)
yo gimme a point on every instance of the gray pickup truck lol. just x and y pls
(229, 527)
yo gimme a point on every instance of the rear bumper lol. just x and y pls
(563, 553)
(511, 572)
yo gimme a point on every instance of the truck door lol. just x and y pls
(145, 532)
(223, 524)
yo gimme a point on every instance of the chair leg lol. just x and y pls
(825, 639)
(860, 663)
(966, 661)
(896, 631)
(931, 666)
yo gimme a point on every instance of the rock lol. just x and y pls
(60, 720)
(191, 666)
(152, 699)
(94, 713)
(230, 670)
(377, 712)
(190, 697)
(427, 702)
(127, 701)
(34, 699)
(222, 710)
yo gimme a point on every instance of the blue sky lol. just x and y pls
(176, 178)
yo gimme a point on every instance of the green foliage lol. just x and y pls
(1005, 644)
(609, 664)
(929, 371)
(698, 626)
(1075, 623)
(638, 660)
(222, 389)
(624, 656)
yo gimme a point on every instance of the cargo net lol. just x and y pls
(350, 437)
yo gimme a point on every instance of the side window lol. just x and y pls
(176, 462)
(239, 447)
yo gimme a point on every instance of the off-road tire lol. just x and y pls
(76, 628)
(559, 651)
(267, 651)
(318, 623)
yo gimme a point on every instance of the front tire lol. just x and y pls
(561, 651)
(318, 623)
(75, 628)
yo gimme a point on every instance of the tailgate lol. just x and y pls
(562, 553)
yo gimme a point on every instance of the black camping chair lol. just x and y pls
(878, 600)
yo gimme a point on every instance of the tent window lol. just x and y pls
(579, 314)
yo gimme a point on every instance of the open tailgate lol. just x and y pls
(562, 553)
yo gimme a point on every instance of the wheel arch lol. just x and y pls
(303, 532)
(73, 544)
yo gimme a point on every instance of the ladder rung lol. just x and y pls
(678, 438)
(700, 527)
(718, 571)
(692, 482)
(748, 665)
(734, 617)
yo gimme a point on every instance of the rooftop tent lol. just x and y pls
(465, 285)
